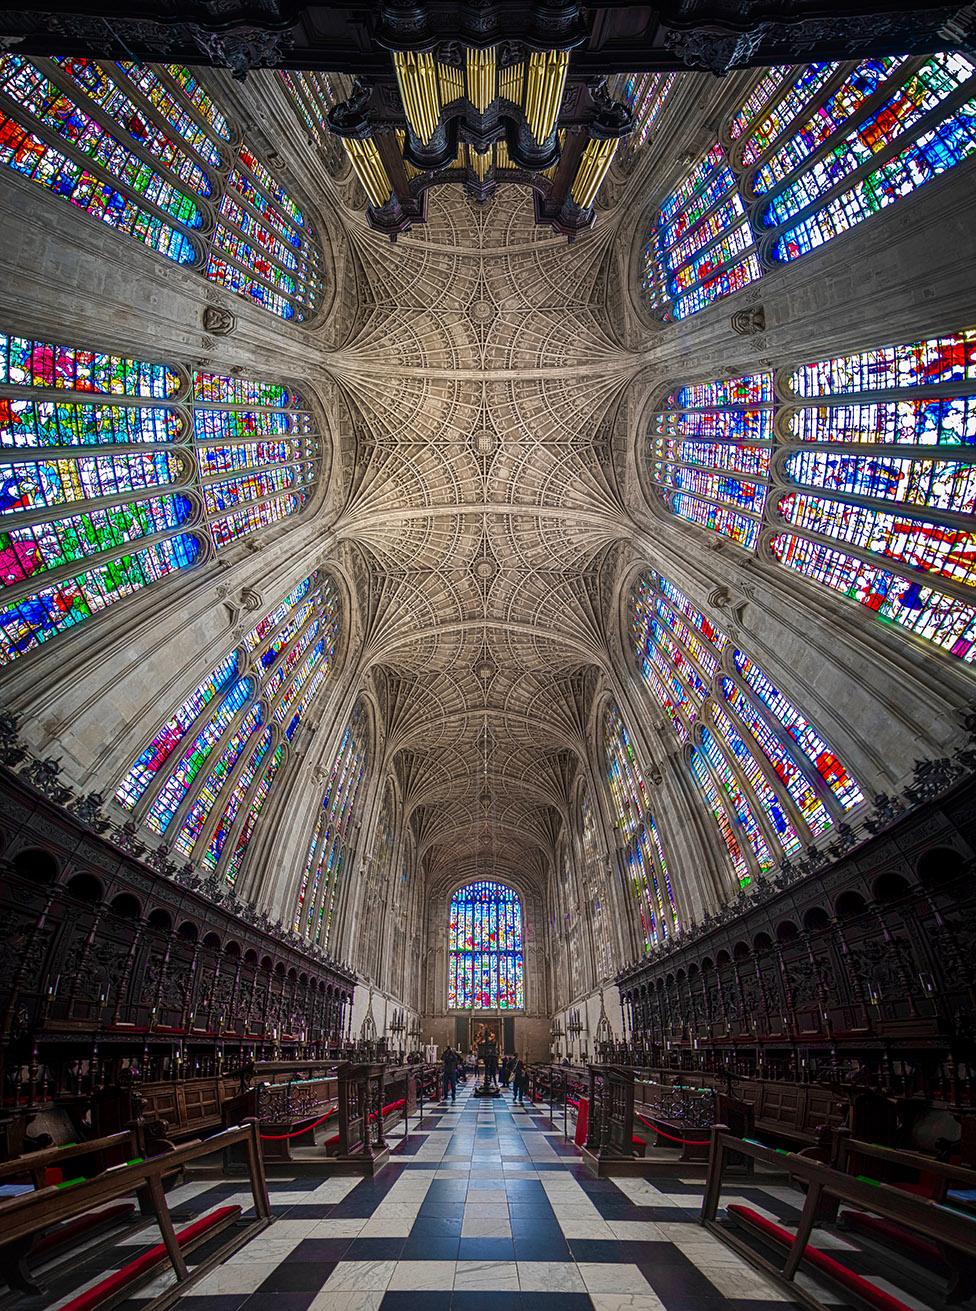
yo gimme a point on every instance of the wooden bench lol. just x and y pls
(40, 1210)
(924, 1218)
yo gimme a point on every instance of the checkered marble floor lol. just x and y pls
(484, 1207)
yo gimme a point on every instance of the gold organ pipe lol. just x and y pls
(544, 90)
(593, 168)
(368, 167)
(481, 77)
(452, 83)
(501, 154)
(479, 163)
(419, 91)
(512, 80)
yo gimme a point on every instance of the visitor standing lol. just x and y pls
(450, 1067)
(491, 1060)
(506, 1070)
(520, 1080)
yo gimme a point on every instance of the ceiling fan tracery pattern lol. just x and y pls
(483, 383)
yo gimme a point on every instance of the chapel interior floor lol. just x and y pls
(484, 1207)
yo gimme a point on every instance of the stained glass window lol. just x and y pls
(879, 516)
(646, 867)
(312, 95)
(701, 246)
(61, 560)
(486, 961)
(329, 849)
(709, 450)
(646, 94)
(255, 464)
(594, 869)
(834, 144)
(98, 498)
(205, 775)
(142, 150)
(769, 779)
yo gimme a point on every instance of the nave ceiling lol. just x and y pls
(482, 385)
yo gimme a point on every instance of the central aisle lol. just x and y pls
(484, 1208)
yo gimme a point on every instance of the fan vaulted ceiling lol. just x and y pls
(482, 382)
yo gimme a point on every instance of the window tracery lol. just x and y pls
(855, 470)
(914, 566)
(844, 142)
(486, 963)
(643, 854)
(204, 777)
(701, 246)
(770, 780)
(595, 878)
(145, 151)
(710, 447)
(812, 152)
(329, 850)
(646, 94)
(113, 471)
(312, 95)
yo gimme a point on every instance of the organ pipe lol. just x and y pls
(511, 81)
(593, 168)
(481, 77)
(452, 83)
(480, 163)
(419, 91)
(368, 167)
(544, 90)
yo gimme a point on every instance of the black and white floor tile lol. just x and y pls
(484, 1207)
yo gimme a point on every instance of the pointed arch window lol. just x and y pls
(643, 854)
(329, 851)
(812, 152)
(646, 94)
(593, 865)
(379, 891)
(873, 492)
(94, 489)
(709, 450)
(114, 472)
(144, 150)
(256, 451)
(883, 509)
(312, 94)
(770, 780)
(204, 777)
(835, 144)
(486, 963)
(701, 245)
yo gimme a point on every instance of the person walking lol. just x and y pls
(520, 1080)
(450, 1067)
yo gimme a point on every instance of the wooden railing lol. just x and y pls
(610, 1134)
(32, 1213)
(36, 1164)
(825, 1188)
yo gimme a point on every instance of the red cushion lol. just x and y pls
(331, 1142)
(118, 1279)
(862, 1287)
